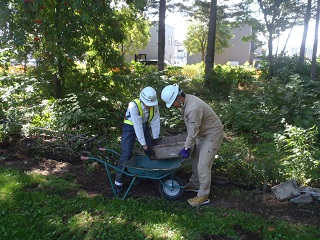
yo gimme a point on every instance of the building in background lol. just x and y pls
(150, 52)
(180, 54)
(238, 53)
(296, 51)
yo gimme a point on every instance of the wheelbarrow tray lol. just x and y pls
(144, 167)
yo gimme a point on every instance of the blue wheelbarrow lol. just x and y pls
(170, 185)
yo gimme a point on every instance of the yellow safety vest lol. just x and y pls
(139, 105)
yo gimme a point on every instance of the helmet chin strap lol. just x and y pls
(181, 103)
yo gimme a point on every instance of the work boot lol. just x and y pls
(119, 189)
(190, 188)
(198, 201)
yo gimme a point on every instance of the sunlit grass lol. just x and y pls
(33, 207)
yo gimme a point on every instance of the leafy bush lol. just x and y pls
(270, 101)
(87, 112)
(299, 154)
(21, 99)
(193, 71)
(227, 79)
(247, 165)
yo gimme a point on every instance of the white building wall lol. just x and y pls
(151, 50)
(238, 51)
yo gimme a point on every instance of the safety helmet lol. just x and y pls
(149, 96)
(169, 94)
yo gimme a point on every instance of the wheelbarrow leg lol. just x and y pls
(132, 181)
(113, 185)
(110, 180)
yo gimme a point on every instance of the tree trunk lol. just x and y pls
(305, 32)
(252, 47)
(211, 41)
(58, 76)
(58, 86)
(270, 56)
(285, 45)
(161, 34)
(315, 44)
(203, 54)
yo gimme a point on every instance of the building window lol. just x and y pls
(170, 40)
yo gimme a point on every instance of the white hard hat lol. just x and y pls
(169, 94)
(149, 96)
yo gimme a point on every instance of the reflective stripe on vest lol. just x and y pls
(139, 105)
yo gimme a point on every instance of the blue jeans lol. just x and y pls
(128, 138)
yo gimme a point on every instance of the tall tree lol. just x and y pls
(197, 38)
(162, 34)
(159, 7)
(287, 40)
(305, 32)
(136, 29)
(315, 43)
(211, 40)
(60, 34)
(278, 16)
(228, 17)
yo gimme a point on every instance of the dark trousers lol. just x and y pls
(128, 138)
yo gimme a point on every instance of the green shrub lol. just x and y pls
(270, 101)
(299, 154)
(226, 79)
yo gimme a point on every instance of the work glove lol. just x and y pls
(184, 153)
(147, 152)
(156, 141)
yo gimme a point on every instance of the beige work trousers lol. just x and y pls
(202, 158)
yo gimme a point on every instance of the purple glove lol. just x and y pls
(184, 153)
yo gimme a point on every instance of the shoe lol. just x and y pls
(198, 201)
(189, 188)
(119, 189)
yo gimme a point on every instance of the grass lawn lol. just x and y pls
(46, 207)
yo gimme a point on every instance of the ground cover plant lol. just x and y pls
(271, 126)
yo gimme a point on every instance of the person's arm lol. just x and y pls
(193, 125)
(137, 123)
(155, 123)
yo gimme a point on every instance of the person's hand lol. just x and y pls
(147, 151)
(156, 141)
(184, 153)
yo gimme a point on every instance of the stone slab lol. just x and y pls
(303, 198)
(286, 190)
(168, 147)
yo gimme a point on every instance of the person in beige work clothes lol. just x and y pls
(203, 125)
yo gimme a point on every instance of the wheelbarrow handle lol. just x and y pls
(109, 150)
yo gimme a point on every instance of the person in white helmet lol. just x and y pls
(205, 135)
(141, 115)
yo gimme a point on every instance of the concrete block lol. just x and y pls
(168, 147)
(303, 198)
(286, 190)
(314, 192)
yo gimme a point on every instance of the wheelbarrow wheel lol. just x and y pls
(171, 188)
